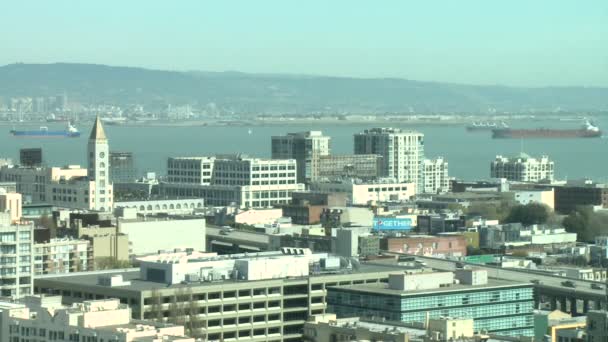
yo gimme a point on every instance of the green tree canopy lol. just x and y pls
(529, 214)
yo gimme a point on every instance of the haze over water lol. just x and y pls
(469, 154)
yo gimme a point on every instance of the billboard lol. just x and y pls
(392, 223)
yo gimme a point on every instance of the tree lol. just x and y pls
(490, 210)
(529, 214)
(586, 223)
(109, 263)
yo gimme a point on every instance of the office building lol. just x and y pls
(33, 182)
(242, 181)
(44, 318)
(122, 167)
(360, 192)
(306, 148)
(402, 153)
(496, 306)
(263, 296)
(569, 197)
(62, 255)
(190, 170)
(597, 326)
(363, 166)
(523, 168)
(16, 261)
(30, 157)
(436, 178)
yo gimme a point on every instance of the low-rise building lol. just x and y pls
(11, 202)
(62, 255)
(363, 193)
(570, 197)
(172, 206)
(41, 318)
(540, 196)
(597, 326)
(516, 235)
(426, 245)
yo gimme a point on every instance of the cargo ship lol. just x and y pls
(484, 126)
(44, 132)
(587, 131)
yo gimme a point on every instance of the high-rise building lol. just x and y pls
(100, 191)
(523, 168)
(436, 178)
(122, 167)
(16, 248)
(306, 148)
(30, 157)
(402, 152)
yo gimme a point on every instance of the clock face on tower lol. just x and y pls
(101, 155)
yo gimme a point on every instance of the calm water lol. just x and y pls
(469, 154)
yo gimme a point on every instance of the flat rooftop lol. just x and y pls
(91, 280)
(383, 289)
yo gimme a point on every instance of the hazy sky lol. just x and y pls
(514, 42)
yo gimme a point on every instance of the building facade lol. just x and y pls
(436, 178)
(363, 166)
(426, 245)
(363, 193)
(568, 198)
(62, 255)
(122, 167)
(497, 307)
(523, 168)
(402, 152)
(16, 258)
(190, 170)
(306, 148)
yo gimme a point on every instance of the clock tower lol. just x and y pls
(100, 189)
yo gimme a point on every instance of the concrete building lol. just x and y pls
(523, 168)
(515, 235)
(363, 166)
(306, 148)
(264, 296)
(11, 202)
(306, 207)
(190, 170)
(569, 197)
(496, 306)
(62, 255)
(364, 193)
(426, 245)
(16, 257)
(122, 167)
(181, 206)
(597, 326)
(545, 197)
(151, 234)
(32, 182)
(402, 153)
(242, 181)
(436, 178)
(42, 318)
(329, 328)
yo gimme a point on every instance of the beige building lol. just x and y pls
(523, 168)
(41, 319)
(364, 193)
(63, 255)
(11, 202)
(32, 182)
(16, 261)
(546, 197)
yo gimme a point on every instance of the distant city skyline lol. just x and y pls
(515, 43)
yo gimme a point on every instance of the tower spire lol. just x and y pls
(97, 133)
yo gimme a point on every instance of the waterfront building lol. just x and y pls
(242, 181)
(174, 206)
(363, 166)
(122, 167)
(44, 318)
(16, 257)
(306, 148)
(436, 178)
(190, 170)
(496, 306)
(257, 296)
(523, 168)
(361, 192)
(402, 153)
(32, 182)
(62, 255)
(30, 157)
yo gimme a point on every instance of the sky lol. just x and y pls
(515, 42)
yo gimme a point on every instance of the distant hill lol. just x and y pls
(261, 93)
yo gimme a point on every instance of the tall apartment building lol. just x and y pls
(306, 148)
(522, 168)
(16, 261)
(122, 167)
(265, 296)
(496, 306)
(235, 179)
(402, 152)
(436, 178)
(44, 318)
(62, 255)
